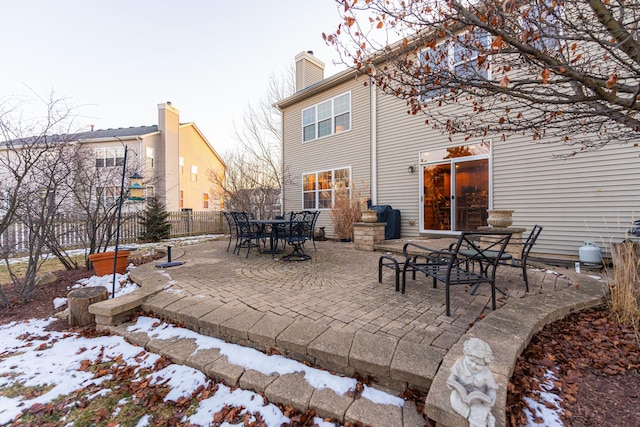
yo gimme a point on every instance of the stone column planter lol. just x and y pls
(369, 216)
(500, 218)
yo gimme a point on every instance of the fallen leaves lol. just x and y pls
(596, 364)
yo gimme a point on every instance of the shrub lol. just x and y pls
(625, 289)
(154, 222)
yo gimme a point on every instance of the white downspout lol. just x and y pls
(374, 140)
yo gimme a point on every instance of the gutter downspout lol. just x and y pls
(374, 140)
(282, 177)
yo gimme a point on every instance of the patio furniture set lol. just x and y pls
(456, 265)
(293, 229)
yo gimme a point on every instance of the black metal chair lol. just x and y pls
(310, 226)
(232, 229)
(526, 248)
(247, 234)
(294, 235)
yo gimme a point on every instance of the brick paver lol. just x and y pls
(296, 308)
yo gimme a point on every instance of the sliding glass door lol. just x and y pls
(455, 185)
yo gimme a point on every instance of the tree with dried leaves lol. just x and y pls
(556, 70)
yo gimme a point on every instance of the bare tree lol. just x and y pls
(94, 193)
(565, 69)
(33, 173)
(254, 175)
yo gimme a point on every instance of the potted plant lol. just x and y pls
(345, 212)
(103, 262)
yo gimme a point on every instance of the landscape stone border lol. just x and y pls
(509, 332)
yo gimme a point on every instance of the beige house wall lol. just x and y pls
(196, 151)
(592, 196)
(349, 149)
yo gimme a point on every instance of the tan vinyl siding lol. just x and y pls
(343, 150)
(592, 196)
(401, 137)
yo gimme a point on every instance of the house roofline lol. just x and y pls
(204, 138)
(316, 88)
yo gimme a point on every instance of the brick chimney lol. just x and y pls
(309, 70)
(167, 154)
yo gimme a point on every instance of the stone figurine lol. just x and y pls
(473, 387)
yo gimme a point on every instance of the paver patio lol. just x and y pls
(330, 311)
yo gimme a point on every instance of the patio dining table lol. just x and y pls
(273, 232)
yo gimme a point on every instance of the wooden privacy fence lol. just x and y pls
(70, 229)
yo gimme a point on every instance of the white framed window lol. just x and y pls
(181, 165)
(194, 173)
(327, 118)
(109, 157)
(205, 200)
(457, 57)
(150, 192)
(318, 188)
(151, 157)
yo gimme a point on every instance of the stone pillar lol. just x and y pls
(515, 243)
(368, 234)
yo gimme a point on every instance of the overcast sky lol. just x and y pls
(118, 59)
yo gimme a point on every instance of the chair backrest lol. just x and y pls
(230, 221)
(296, 227)
(310, 218)
(531, 240)
(484, 246)
(243, 226)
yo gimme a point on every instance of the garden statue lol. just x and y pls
(473, 385)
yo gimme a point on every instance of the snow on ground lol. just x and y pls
(545, 409)
(33, 357)
(177, 241)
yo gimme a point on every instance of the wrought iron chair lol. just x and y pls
(247, 234)
(294, 235)
(232, 229)
(310, 226)
(526, 248)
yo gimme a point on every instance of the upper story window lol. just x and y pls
(151, 157)
(109, 157)
(194, 173)
(457, 58)
(181, 165)
(318, 188)
(327, 118)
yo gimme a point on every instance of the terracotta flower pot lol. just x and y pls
(103, 262)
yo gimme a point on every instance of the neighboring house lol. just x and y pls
(343, 129)
(180, 167)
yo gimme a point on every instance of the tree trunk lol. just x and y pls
(79, 301)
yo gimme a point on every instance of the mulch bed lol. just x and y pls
(597, 365)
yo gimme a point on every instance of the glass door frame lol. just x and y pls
(452, 162)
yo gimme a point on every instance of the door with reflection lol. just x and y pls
(437, 197)
(471, 199)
